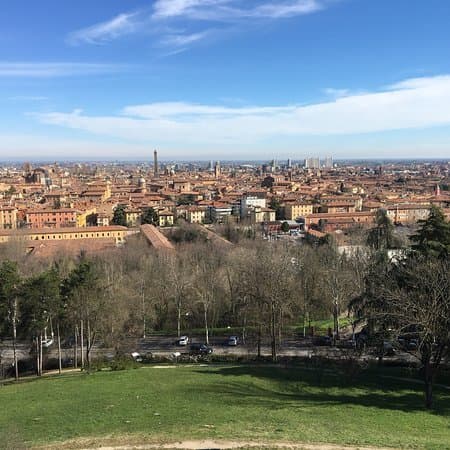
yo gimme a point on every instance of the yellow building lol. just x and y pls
(165, 218)
(55, 234)
(8, 217)
(133, 217)
(83, 215)
(294, 210)
(260, 215)
(194, 214)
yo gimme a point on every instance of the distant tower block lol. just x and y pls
(217, 170)
(437, 191)
(142, 185)
(155, 164)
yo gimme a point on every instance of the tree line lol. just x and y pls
(262, 288)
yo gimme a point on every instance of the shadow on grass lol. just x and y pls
(294, 387)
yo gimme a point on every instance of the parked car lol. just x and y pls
(233, 341)
(183, 340)
(322, 340)
(47, 342)
(408, 343)
(388, 348)
(200, 350)
(136, 356)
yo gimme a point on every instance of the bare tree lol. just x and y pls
(412, 298)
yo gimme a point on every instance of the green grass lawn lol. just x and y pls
(224, 402)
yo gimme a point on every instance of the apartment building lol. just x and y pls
(261, 215)
(51, 218)
(70, 233)
(8, 217)
(293, 211)
(404, 214)
(195, 214)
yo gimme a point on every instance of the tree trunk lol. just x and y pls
(304, 324)
(179, 320)
(336, 320)
(37, 355)
(259, 341)
(75, 350)
(16, 365)
(59, 349)
(144, 322)
(206, 324)
(41, 354)
(428, 394)
(82, 344)
(273, 333)
(88, 348)
(428, 378)
(280, 328)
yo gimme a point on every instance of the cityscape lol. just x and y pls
(225, 224)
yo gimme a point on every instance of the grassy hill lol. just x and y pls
(225, 402)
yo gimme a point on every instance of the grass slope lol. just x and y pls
(224, 402)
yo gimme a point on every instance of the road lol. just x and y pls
(164, 347)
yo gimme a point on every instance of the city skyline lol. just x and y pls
(225, 79)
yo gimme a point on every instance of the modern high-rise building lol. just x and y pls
(312, 163)
(155, 163)
(328, 162)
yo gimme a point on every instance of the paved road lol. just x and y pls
(163, 346)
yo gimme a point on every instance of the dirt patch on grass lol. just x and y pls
(127, 444)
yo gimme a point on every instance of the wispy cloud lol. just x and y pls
(54, 69)
(121, 25)
(183, 40)
(28, 98)
(411, 104)
(193, 15)
(226, 10)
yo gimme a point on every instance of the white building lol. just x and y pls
(248, 203)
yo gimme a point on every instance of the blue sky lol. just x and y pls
(226, 79)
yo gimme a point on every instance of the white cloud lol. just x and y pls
(281, 10)
(423, 104)
(182, 109)
(225, 10)
(191, 13)
(336, 93)
(164, 9)
(183, 40)
(52, 69)
(100, 33)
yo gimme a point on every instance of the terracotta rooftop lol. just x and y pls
(156, 238)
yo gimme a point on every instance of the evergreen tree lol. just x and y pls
(285, 227)
(433, 236)
(119, 217)
(9, 310)
(382, 236)
(149, 216)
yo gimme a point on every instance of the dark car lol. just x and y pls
(322, 341)
(233, 341)
(200, 350)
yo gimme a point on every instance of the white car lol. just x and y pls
(47, 343)
(136, 356)
(184, 340)
(233, 341)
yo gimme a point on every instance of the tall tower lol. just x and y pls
(155, 163)
(217, 170)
